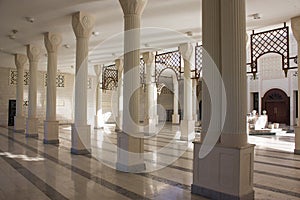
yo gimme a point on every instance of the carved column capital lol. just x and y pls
(133, 7)
(20, 60)
(33, 53)
(148, 57)
(119, 64)
(82, 24)
(186, 51)
(98, 69)
(52, 41)
(296, 27)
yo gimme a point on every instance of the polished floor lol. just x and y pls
(31, 170)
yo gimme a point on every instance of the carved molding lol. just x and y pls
(52, 41)
(133, 7)
(20, 60)
(33, 53)
(296, 27)
(82, 24)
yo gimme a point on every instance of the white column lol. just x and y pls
(130, 142)
(99, 122)
(19, 120)
(175, 116)
(296, 31)
(33, 54)
(81, 132)
(52, 41)
(187, 125)
(119, 118)
(224, 24)
(150, 118)
(195, 101)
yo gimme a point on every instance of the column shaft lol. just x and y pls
(119, 118)
(99, 122)
(175, 116)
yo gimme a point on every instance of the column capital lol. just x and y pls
(148, 57)
(98, 69)
(186, 50)
(33, 53)
(20, 60)
(133, 7)
(119, 64)
(296, 27)
(82, 24)
(52, 41)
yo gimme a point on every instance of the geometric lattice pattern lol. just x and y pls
(60, 80)
(170, 60)
(110, 77)
(198, 61)
(13, 77)
(273, 41)
(142, 71)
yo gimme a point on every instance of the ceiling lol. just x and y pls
(169, 21)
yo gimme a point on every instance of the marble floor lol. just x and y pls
(31, 170)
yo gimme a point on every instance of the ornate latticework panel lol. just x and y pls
(273, 41)
(13, 76)
(166, 90)
(142, 71)
(198, 61)
(26, 78)
(170, 60)
(110, 77)
(60, 80)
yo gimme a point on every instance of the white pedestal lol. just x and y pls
(225, 173)
(32, 127)
(99, 123)
(19, 125)
(130, 153)
(51, 132)
(175, 119)
(187, 128)
(81, 139)
(297, 140)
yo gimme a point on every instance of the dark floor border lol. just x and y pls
(36, 181)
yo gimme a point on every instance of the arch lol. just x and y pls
(273, 41)
(169, 60)
(277, 104)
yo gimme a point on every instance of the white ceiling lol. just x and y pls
(169, 19)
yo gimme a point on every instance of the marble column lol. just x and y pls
(296, 31)
(226, 172)
(52, 41)
(20, 61)
(187, 125)
(82, 24)
(98, 120)
(33, 54)
(130, 156)
(195, 100)
(150, 118)
(175, 116)
(119, 119)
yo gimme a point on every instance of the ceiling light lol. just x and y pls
(256, 16)
(14, 31)
(30, 19)
(12, 37)
(189, 33)
(147, 45)
(95, 33)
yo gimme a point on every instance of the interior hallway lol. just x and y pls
(32, 170)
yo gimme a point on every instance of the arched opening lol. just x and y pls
(277, 104)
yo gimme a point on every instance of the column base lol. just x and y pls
(99, 123)
(81, 139)
(19, 125)
(130, 153)
(297, 140)
(195, 117)
(32, 127)
(187, 128)
(175, 119)
(51, 132)
(225, 173)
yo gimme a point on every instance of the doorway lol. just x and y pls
(11, 112)
(277, 105)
